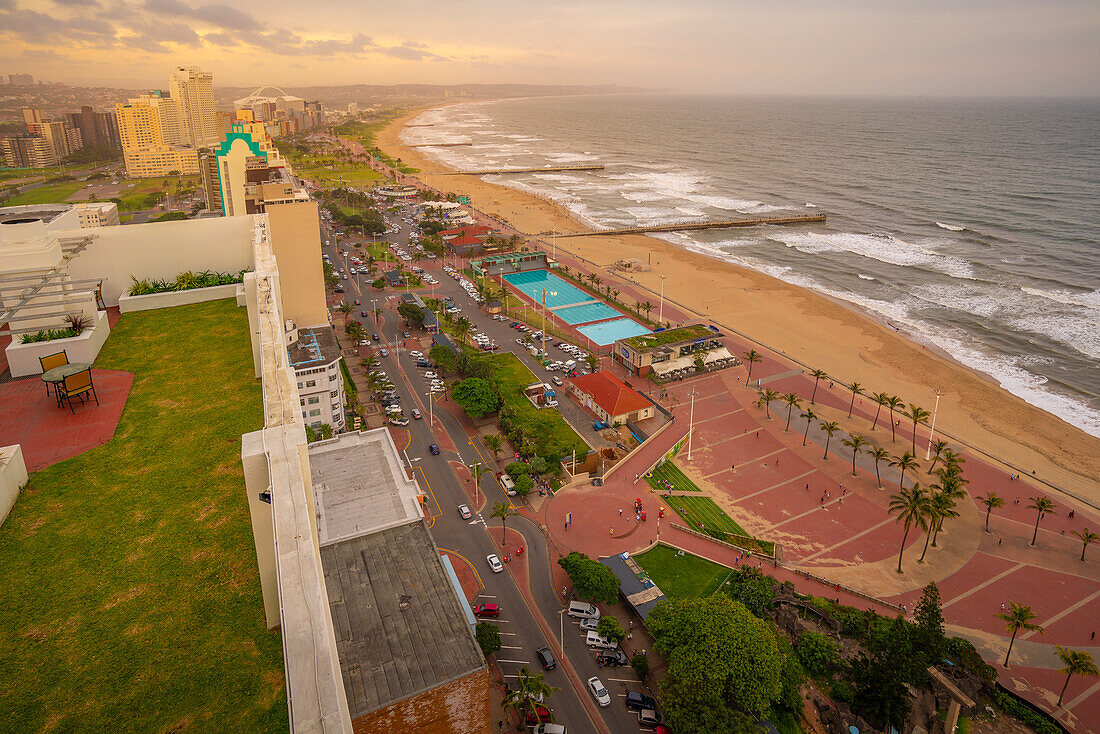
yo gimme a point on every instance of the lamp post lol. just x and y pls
(661, 311)
(374, 302)
(476, 474)
(691, 422)
(932, 432)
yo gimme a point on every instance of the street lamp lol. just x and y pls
(475, 472)
(374, 302)
(932, 432)
(661, 312)
(691, 422)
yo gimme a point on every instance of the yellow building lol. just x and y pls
(149, 129)
(193, 90)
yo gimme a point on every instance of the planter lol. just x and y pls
(169, 299)
(23, 358)
(13, 476)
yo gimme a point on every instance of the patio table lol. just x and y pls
(58, 374)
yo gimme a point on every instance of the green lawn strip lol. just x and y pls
(130, 598)
(703, 515)
(54, 193)
(681, 576)
(381, 252)
(133, 199)
(669, 472)
(514, 377)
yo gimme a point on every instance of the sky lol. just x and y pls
(797, 47)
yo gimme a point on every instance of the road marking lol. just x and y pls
(971, 591)
(434, 515)
(1051, 620)
(477, 575)
(511, 647)
(623, 680)
(520, 662)
(847, 540)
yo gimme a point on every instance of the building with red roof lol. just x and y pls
(611, 399)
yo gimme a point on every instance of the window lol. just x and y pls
(336, 408)
(313, 413)
(311, 383)
(302, 401)
(300, 386)
(334, 393)
(332, 378)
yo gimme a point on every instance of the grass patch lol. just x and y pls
(683, 576)
(133, 200)
(130, 598)
(670, 473)
(550, 431)
(703, 515)
(380, 251)
(54, 193)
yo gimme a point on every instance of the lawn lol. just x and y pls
(670, 473)
(130, 598)
(681, 576)
(53, 193)
(549, 430)
(132, 200)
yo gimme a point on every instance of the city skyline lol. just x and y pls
(1004, 49)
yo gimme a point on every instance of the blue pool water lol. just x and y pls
(607, 332)
(584, 313)
(558, 292)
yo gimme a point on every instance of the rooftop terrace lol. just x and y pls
(669, 336)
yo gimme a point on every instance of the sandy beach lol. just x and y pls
(809, 328)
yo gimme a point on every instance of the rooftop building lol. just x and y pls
(669, 350)
(610, 398)
(315, 357)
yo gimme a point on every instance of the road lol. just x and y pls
(521, 633)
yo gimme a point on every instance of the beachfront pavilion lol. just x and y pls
(510, 262)
(666, 351)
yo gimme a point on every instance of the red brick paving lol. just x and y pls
(50, 434)
(471, 586)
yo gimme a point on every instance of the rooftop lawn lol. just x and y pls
(130, 598)
(671, 336)
(681, 576)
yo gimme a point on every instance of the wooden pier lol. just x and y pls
(438, 145)
(496, 171)
(694, 226)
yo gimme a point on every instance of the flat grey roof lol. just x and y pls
(635, 585)
(360, 485)
(389, 653)
(315, 347)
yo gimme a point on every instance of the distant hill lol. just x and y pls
(337, 97)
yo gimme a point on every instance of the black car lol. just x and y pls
(434, 449)
(613, 659)
(546, 658)
(638, 701)
(374, 337)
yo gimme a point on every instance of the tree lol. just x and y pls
(830, 427)
(809, 416)
(930, 635)
(443, 359)
(856, 443)
(495, 443)
(991, 502)
(488, 637)
(879, 454)
(378, 283)
(411, 313)
(1018, 617)
(893, 403)
(941, 505)
(640, 664)
(818, 376)
(856, 389)
(817, 652)
(910, 505)
(529, 690)
(752, 357)
(345, 309)
(523, 485)
(880, 675)
(792, 402)
(1042, 505)
(592, 361)
(610, 629)
(716, 648)
(938, 447)
(591, 579)
(476, 396)
(916, 414)
(1077, 663)
(1087, 537)
(882, 399)
(905, 462)
(766, 398)
(517, 469)
(503, 510)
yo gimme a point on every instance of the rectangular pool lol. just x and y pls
(558, 292)
(585, 312)
(607, 332)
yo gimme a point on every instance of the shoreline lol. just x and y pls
(807, 327)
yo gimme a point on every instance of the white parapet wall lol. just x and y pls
(23, 358)
(168, 299)
(13, 477)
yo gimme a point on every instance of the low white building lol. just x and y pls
(315, 358)
(97, 214)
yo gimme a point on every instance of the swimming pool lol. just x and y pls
(558, 292)
(585, 312)
(607, 332)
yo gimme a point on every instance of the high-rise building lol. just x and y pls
(96, 128)
(21, 80)
(193, 91)
(28, 151)
(353, 109)
(149, 131)
(62, 138)
(235, 174)
(32, 116)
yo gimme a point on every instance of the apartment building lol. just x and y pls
(315, 358)
(149, 130)
(96, 128)
(27, 151)
(193, 91)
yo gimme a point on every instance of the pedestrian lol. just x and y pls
(611, 530)
(1093, 636)
(1000, 541)
(566, 524)
(620, 512)
(1002, 606)
(733, 467)
(631, 625)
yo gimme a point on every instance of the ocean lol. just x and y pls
(971, 225)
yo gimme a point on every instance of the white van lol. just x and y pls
(593, 639)
(507, 485)
(583, 610)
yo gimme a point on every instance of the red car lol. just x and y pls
(487, 610)
(543, 715)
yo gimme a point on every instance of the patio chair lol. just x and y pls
(99, 298)
(53, 360)
(76, 386)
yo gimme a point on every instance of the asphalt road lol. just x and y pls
(521, 634)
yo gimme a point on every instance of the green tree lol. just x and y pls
(591, 579)
(894, 403)
(494, 442)
(991, 502)
(911, 507)
(818, 653)
(881, 399)
(766, 398)
(488, 637)
(856, 389)
(1077, 663)
(929, 634)
(592, 361)
(916, 414)
(830, 427)
(904, 463)
(530, 689)
(476, 396)
(379, 283)
(1043, 506)
(818, 376)
(443, 359)
(1018, 617)
(1087, 538)
(752, 357)
(610, 628)
(503, 510)
(640, 664)
(411, 313)
(718, 650)
(879, 454)
(856, 443)
(809, 416)
(938, 447)
(523, 485)
(517, 469)
(791, 400)
(880, 675)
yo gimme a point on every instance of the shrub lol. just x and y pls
(817, 652)
(610, 628)
(640, 663)
(488, 637)
(517, 469)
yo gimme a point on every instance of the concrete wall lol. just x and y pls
(162, 250)
(13, 477)
(459, 707)
(257, 480)
(295, 234)
(153, 301)
(23, 358)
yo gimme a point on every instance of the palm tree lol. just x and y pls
(893, 403)
(345, 309)
(792, 402)
(495, 443)
(818, 376)
(952, 487)
(991, 502)
(766, 398)
(614, 294)
(647, 307)
(856, 443)
(1077, 663)
(1086, 538)
(882, 399)
(530, 689)
(910, 505)
(809, 415)
(878, 454)
(916, 414)
(938, 447)
(905, 462)
(1018, 617)
(751, 356)
(856, 389)
(1042, 505)
(830, 427)
(941, 506)
(462, 326)
(503, 510)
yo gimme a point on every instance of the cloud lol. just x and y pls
(220, 39)
(77, 3)
(410, 54)
(38, 28)
(216, 14)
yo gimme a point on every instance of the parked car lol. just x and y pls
(487, 610)
(494, 563)
(384, 352)
(541, 715)
(649, 719)
(589, 624)
(638, 701)
(616, 658)
(594, 639)
(556, 380)
(398, 421)
(546, 658)
(583, 610)
(434, 449)
(549, 729)
(595, 685)
(416, 414)
(464, 512)
(406, 334)
(431, 376)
